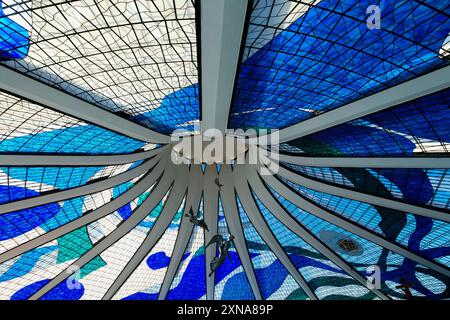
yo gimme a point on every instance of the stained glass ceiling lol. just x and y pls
(92, 207)
(131, 57)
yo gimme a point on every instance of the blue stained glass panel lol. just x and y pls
(415, 127)
(14, 38)
(230, 280)
(273, 279)
(329, 57)
(394, 268)
(326, 279)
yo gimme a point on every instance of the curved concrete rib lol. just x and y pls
(193, 197)
(361, 196)
(79, 191)
(65, 160)
(144, 209)
(210, 214)
(350, 226)
(164, 219)
(256, 218)
(368, 162)
(140, 187)
(46, 95)
(230, 210)
(291, 223)
(222, 23)
(406, 91)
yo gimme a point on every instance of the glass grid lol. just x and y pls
(417, 127)
(19, 183)
(30, 271)
(66, 249)
(301, 59)
(322, 55)
(404, 228)
(137, 58)
(189, 282)
(429, 187)
(67, 211)
(393, 266)
(324, 278)
(273, 279)
(118, 255)
(328, 174)
(145, 282)
(28, 127)
(230, 282)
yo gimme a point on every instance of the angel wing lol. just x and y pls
(218, 239)
(190, 214)
(203, 225)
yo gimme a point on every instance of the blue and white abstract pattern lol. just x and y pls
(139, 60)
(328, 57)
(412, 128)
